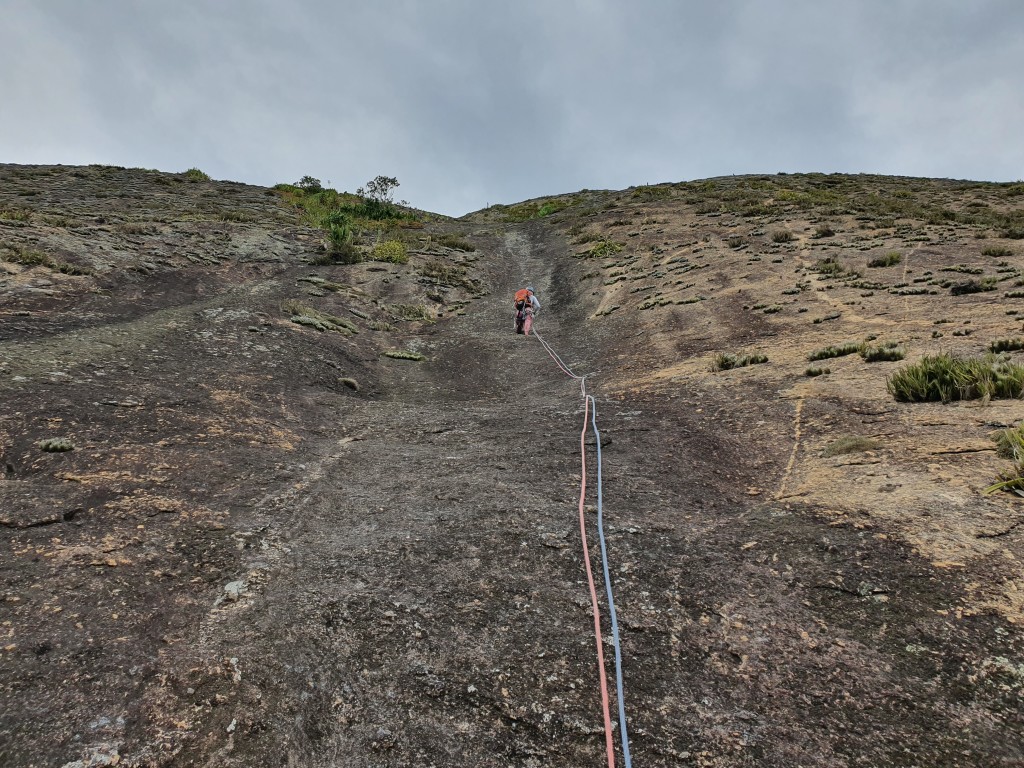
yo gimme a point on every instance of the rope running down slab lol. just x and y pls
(590, 414)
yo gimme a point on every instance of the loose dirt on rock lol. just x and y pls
(277, 545)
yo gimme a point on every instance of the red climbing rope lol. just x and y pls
(606, 709)
(561, 365)
(609, 743)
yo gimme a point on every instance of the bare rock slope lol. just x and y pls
(324, 514)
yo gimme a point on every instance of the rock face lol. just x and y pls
(249, 559)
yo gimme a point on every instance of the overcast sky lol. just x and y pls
(475, 102)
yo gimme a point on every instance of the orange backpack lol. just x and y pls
(521, 295)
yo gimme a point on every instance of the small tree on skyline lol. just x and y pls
(381, 189)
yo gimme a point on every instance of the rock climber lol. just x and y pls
(527, 308)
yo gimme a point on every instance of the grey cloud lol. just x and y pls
(475, 102)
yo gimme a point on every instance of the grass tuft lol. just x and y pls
(727, 361)
(56, 445)
(890, 259)
(831, 351)
(601, 249)
(829, 316)
(883, 352)
(15, 214)
(456, 242)
(404, 354)
(1006, 345)
(973, 286)
(302, 314)
(29, 257)
(851, 444)
(1010, 445)
(830, 266)
(998, 251)
(946, 377)
(412, 312)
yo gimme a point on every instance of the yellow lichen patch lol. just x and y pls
(284, 439)
(1010, 601)
(109, 477)
(237, 422)
(143, 501)
(78, 554)
(228, 398)
(144, 505)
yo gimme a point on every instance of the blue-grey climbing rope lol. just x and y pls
(588, 403)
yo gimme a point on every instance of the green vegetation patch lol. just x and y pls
(913, 291)
(841, 350)
(891, 259)
(884, 352)
(412, 312)
(812, 198)
(404, 354)
(30, 257)
(826, 318)
(946, 377)
(890, 350)
(1006, 345)
(302, 314)
(998, 251)
(601, 249)
(194, 174)
(851, 444)
(586, 237)
(341, 248)
(534, 209)
(727, 361)
(56, 445)
(830, 266)
(456, 242)
(656, 301)
(15, 214)
(393, 251)
(323, 283)
(1010, 445)
(347, 217)
(974, 286)
(652, 192)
